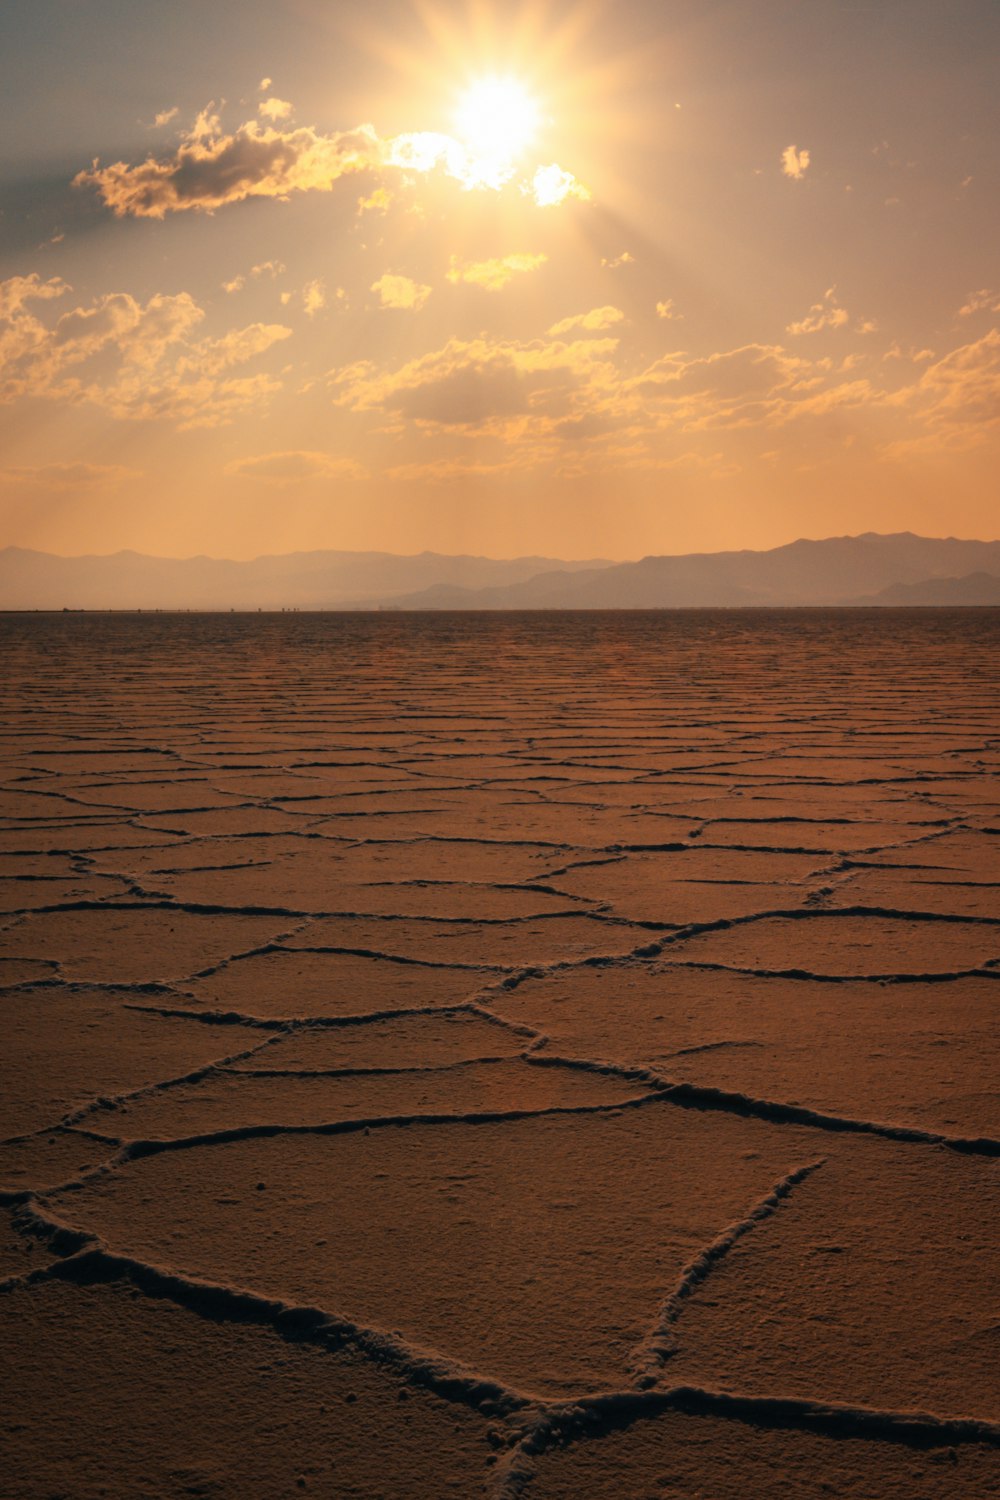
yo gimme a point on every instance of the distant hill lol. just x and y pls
(974, 588)
(299, 580)
(852, 570)
(839, 570)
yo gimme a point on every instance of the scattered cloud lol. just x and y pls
(625, 259)
(982, 301)
(294, 467)
(400, 293)
(313, 297)
(211, 169)
(493, 275)
(484, 383)
(822, 315)
(136, 360)
(270, 268)
(795, 163)
(428, 150)
(594, 321)
(552, 185)
(667, 310)
(959, 394)
(165, 116)
(275, 109)
(377, 201)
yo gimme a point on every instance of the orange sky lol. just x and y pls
(697, 275)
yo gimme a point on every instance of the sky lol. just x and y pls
(584, 280)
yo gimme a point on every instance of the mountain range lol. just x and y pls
(293, 580)
(870, 570)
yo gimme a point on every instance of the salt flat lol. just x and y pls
(544, 1055)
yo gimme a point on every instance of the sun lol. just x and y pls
(497, 120)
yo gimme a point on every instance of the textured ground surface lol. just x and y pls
(549, 1056)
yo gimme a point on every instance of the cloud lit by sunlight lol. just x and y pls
(493, 275)
(551, 185)
(400, 292)
(211, 167)
(794, 163)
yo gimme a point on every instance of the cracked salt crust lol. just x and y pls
(488, 1092)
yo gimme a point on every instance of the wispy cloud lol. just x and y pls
(493, 275)
(825, 314)
(272, 268)
(982, 301)
(294, 467)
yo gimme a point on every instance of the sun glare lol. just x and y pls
(497, 120)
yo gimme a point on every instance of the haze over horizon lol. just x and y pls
(571, 281)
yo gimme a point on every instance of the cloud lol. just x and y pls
(962, 387)
(211, 169)
(666, 309)
(294, 467)
(794, 163)
(135, 360)
(69, 476)
(237, 347)
(19, 290)
(982, 301)
(165, 116)
(313, 297)
(272, 268)
(572, 405)
(483, 383)
(443, 470)
(400, 292)
(377, 201)
(954, 406)
(625, 259)
(825, 314)
(274, 109)
(594, 321)
(493, 275)
(551, 185)
(427, 150)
